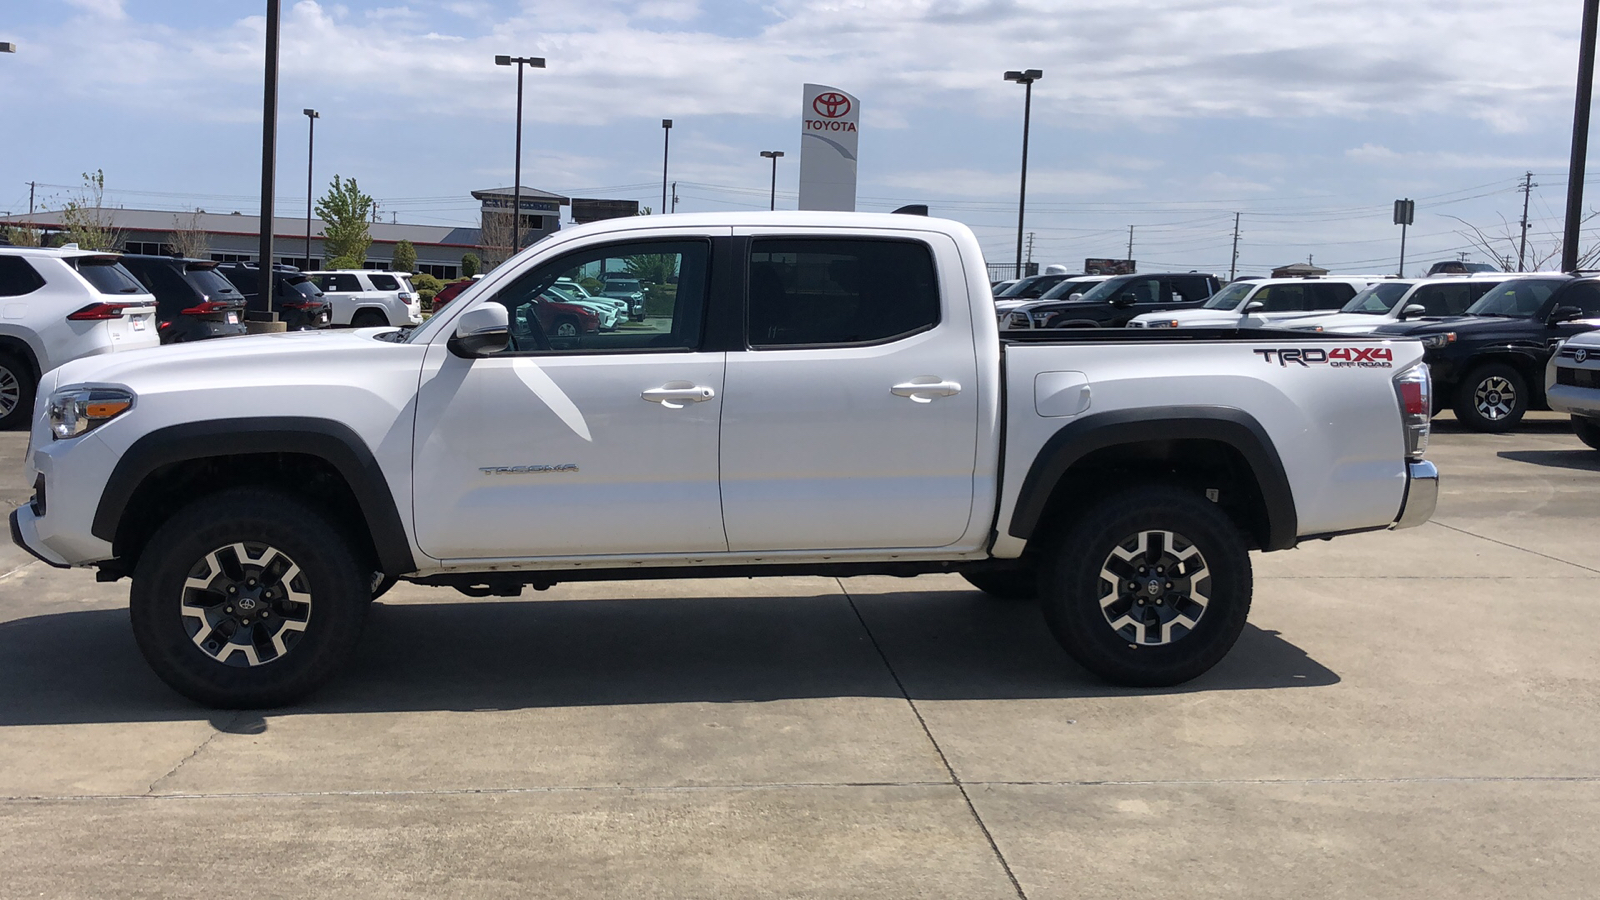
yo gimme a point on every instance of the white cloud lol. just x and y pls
(976, 183)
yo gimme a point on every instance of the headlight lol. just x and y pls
(1435, 341)
(76, 411)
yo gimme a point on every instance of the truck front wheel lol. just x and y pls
(1587, 430)
(1149, 588)
(248, 598)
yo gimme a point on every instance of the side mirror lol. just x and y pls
(1075, 296)
(1413, 309)
(481, 331)
(1565, 314)
(1124, 301)
(1255, 306)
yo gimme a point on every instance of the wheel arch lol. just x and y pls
(17, 346)
(1527, 363)
(322, 461)
(1199, 447)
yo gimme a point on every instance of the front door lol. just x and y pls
(577, 444)
(851, 420)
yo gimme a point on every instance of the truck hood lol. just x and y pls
(1353, 323)
(294, 356)
(1461, 325)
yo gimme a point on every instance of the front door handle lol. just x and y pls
(924, 390)
(678, 394)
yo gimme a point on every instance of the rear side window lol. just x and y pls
(1191, 288)
(1333, 295)
(106, 275)
(384, 282)
(17, 277)
(340, 282)
(833, 292)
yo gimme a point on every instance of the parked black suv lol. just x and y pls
(193, 302)
(1488, 364)
(1111, 303)
(1032, 287)
(295, 297)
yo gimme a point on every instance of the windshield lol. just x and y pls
(1519, 298)
(1230, 296)
(1378, 298)
(615, 284)
(1107, 289)
(1069, 287)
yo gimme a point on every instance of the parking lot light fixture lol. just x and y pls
(311, 144)
(7, 47)
(1026, 78)
(774, 155)
(536, 62)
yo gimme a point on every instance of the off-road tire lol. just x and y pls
(1006, 584)
(16, 379)
(339, 588)
(1072, 586)
(1587, 430)
(1492, 382)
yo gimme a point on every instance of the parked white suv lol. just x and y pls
(366, 298)
(1572, 385)
(57, 305)
(1397, 300)
(1254, 303)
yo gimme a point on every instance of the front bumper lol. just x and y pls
(1422, 495)
(20, 538)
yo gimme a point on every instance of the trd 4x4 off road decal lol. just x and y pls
(1338, 357)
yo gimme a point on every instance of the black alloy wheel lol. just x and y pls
(1587, 430)
(1492, 398)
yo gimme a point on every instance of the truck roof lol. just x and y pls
(768, 219)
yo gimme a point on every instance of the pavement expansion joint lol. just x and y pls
(1514, 546)
(955, 779)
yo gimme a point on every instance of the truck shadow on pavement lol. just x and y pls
(1583, 460)
(473, 655)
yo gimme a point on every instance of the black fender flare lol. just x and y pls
(1225, 424)
(333, 442)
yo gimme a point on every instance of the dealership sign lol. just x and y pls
(830, 122)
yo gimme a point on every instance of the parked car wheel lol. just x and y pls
(566, 328)
(1149, 588)
(1587, 430)
(248, 598)
(1010, 584)
(368, 318)
(16, 391)
(1492, 398)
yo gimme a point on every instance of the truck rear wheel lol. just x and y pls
(1587, 430)
(1150, 588)
(248, 598)
(1010, 584)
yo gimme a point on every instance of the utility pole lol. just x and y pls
(1130, 242)
(31, 186)
(1233, 267)
(1030, 248)
(674, 196)
(1522, 246)
(1580, 137)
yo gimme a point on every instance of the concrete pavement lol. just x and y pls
(1410, 714)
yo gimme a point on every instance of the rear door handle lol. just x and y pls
(678, 394)
(924, 390)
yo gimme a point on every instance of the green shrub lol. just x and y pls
(592, 285)
(659, 299)
(422, 281)
(470, 264)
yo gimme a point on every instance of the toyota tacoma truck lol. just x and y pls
(825, 393)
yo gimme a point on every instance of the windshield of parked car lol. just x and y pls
(615, 284)
(1518, 298)
(1377, 299)
(1107, 289)
(106, 274)
(212, 285)
(1231, 296)
(1069, 287)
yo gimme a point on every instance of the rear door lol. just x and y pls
(850, 418)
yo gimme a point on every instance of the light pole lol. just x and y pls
(773, 155)
(1026, 78)
(269, 154)
(311, 145)
(666, 144)
(1580, 137)
(516, 189)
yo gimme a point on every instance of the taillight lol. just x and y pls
(1413, 388)
(299, 304)
(95, 312)
(207, 307)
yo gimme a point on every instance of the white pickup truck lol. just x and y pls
(828, 394)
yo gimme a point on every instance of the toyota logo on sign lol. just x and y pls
(831, 105)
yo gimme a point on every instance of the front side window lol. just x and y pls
(672, 275)
(1330, 296)
(1584, 296)
(839, 292)
(1443, 299)
(1231, 297)
(1282, 297)
(1518, 298)
(1378, 298)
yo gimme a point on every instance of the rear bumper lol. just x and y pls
(1422, 495)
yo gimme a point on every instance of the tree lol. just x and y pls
(189, 240)
(344, 212)
(1503, 246)
(494, 238)
(405, 257)
(345, 262)
(470, 264)
(653, 268)
(85, 220)
(23, 237)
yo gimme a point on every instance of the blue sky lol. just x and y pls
(1168, 115)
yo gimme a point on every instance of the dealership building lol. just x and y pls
(235, 237)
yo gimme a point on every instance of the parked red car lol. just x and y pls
(555, 317)
(451, 291)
